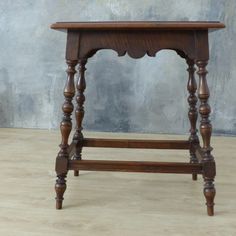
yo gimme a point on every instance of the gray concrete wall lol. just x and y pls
(146, 95)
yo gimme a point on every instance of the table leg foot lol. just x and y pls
(194, 177)
(58, 204)
(60, 188)
(210, 195)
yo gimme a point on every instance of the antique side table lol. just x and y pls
(190, 41)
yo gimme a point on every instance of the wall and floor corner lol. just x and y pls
(126, 93)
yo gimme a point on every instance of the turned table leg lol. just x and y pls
(192, 113)
(209, 170)
(79, 112)
(66, 126)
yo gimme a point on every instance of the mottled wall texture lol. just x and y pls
(125, 95)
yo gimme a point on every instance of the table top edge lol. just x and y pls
(139, 25)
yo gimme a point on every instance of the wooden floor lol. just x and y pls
(109, 203)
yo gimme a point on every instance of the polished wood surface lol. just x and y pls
(192, 113)
(66, 126)
(79, 113)
(206, 130)
(140, 25)
(137, 166)
(137, 39)
(133, 143)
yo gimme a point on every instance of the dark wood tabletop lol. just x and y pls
(141, 25)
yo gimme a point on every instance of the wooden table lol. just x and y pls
(190, 41)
